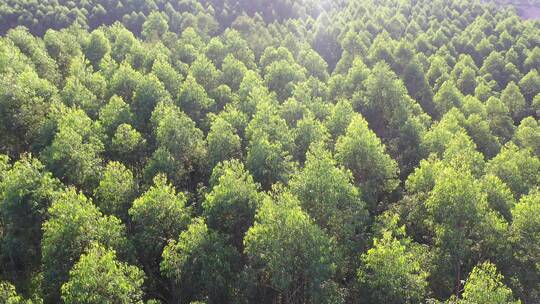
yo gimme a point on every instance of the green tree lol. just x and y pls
(514, 100)
(158, 216)
(74, 224)
(9, 295)
(115, 113)
(115, 191)
(518, 168)
(530, 85)
(457, 210)
(280, 263)
(74, 155)
(392, 270)
(447, 98)
(280, 77)
(327, 193)
(527, 135)
(200, 264)
(26, 192)
(193, 99)
(223, 142)
(181, 147)
(231, 204)
(362, 152)
(339, 118)
(485, 286)
(499, 118)
(155, 26)
(233, 72)
(24, 102)
(308, 131)
(99, 278)
(270, 146)
(148, 94)
(127, 144)
(525, 238)
(98, 46)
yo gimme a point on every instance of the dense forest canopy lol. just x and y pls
(284, 151)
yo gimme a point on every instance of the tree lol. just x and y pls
(171, 79)
(526, 242)
(74, 154)
(84, 87)
(339, 118)
(485, 286)
(98, 46)
(268, 160)
(200, 264)
(518, 168)
(308, 131)
(193, 99)
(527, 135)
(115, 113)
(500, 121)
(494, 67)
(158, 216)
(24, 102)
(280, 77)
(74, 224)
(457, 209)
(392, 270)
(26, 192)
(233, 72)
(533, 59)
(155, 26)
(148, 94)
(362, 152)
(99, 278)
(127, 144)
(530, 85)
(205, 73)
(231, 204)
(115, 191)
(181, 147)
(9, 295)
(125, 82)
(447, 98)
(270, 146)
(223, 142)
(514, 100)
(327, 193)
(282, 265)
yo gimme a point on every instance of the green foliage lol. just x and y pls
(525, 238)
(362, 152)
(115, 191)
(231, 204)
(283, 263)
(283, 151)
(74, 154)
(392, 270)
(223, 142)
(74, 224)
(99, 278)
(485, 285)
(327, 193)
(518, 168)
(26, 192)
(158, 216)
(200, 264)
(8, 294)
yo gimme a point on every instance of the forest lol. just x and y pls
(269, 151)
